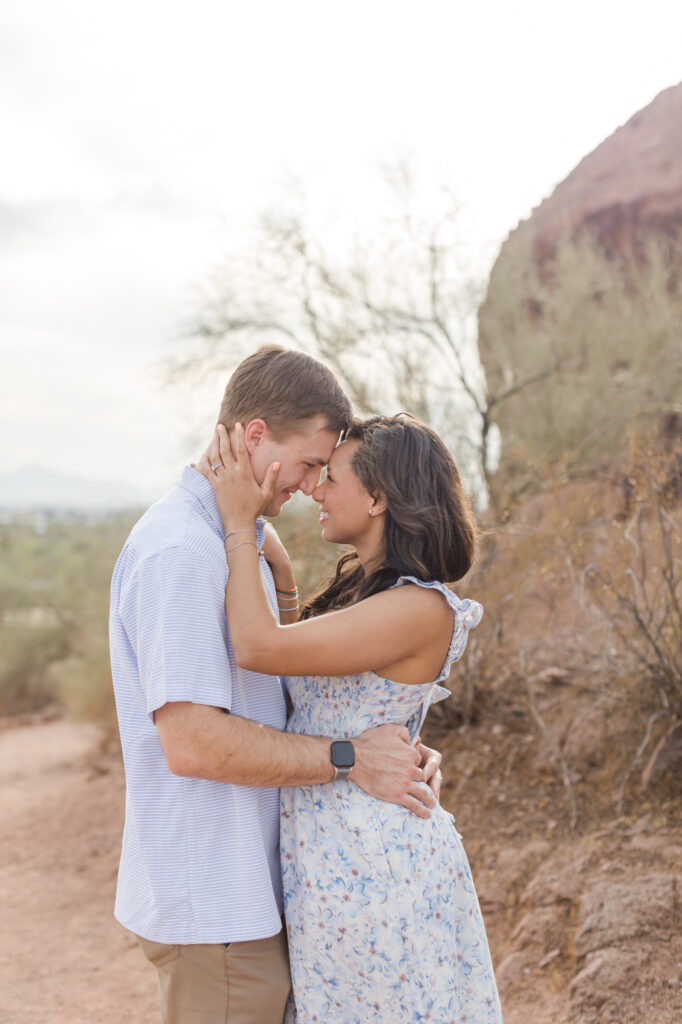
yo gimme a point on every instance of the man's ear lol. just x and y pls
(255, 432)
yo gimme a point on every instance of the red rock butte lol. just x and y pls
(631, 183)
(579, 333)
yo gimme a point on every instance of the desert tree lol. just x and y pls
(394, 312)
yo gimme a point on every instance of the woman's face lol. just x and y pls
(344, 502)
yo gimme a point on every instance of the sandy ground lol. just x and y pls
(65, 960)
(63, 957)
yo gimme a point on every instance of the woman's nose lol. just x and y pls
(318, 491)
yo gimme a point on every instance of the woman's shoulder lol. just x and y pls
(468, 611)
(423, 584)
(418, 597)
(422, 589)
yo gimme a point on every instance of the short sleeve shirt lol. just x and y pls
(200, 859)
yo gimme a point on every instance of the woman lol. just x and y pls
(382, 915)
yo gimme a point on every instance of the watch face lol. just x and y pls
(343, 754)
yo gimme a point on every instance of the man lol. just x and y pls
(204, 752)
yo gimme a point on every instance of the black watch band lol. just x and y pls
(343, 759)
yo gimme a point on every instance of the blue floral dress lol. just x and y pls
(382, 916)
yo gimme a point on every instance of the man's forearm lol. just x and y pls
(204, 742)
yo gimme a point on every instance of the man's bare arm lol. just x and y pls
(204, 742)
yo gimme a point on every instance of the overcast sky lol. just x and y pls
(141, 139)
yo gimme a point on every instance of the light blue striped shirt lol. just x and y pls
(200, 859)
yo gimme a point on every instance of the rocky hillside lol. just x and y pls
(631, 185)
(585, 300)
(571, 816)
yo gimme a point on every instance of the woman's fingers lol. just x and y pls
(239, 446)
(212, 454)
(202, 466)
(270, 482)
(223, 446)
(233, 447)
(207, 460)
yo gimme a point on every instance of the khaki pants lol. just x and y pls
(237, 983)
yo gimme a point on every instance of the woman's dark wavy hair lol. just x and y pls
(429, 531)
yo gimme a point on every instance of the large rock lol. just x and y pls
(592, 283)
(558, 881)
(500, 884)
(543, 929)
(602, 981)
(616, 912)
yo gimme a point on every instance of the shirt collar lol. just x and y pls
(200, 487)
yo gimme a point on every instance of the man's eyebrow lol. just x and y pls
(315, 459)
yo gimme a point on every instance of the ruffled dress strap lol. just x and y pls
(466, 613)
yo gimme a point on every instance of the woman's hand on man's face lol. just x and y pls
(227, 467)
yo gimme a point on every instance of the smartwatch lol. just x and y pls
(343, 759)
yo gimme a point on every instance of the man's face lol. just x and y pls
(301, 456)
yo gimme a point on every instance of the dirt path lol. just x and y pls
(604, 904)
(63, 957)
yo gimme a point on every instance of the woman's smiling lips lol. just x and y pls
(324, 516)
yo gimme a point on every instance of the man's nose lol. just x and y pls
(310, 482)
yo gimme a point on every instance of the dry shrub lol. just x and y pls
(582, 636)
(637, 584)
(54, 605)
(637, 588)
(610, 320)
(27, 652)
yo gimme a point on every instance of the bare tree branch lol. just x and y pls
(395, 318)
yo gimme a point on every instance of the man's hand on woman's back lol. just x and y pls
(387, 767)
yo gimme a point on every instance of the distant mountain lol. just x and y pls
(35, 487)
